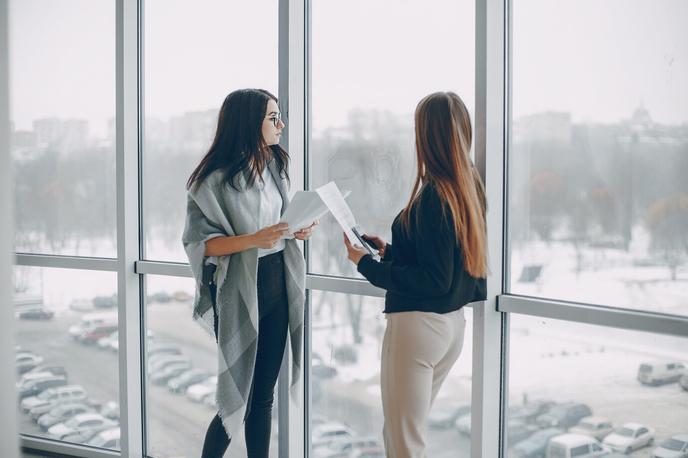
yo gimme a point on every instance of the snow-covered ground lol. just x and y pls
(628, 279)
(549, 359)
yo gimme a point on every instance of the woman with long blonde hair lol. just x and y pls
(436, 264)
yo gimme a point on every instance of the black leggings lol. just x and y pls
(272, 337)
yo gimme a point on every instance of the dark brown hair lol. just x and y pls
(239, 147)
(443, 142)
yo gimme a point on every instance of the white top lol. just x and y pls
(269, 209)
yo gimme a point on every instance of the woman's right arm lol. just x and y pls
(264, 238)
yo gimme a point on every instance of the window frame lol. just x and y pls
(493, 144)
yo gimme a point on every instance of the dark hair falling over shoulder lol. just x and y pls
(238, 147)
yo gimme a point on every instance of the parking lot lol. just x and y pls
(567, 370)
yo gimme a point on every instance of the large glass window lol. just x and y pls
(196, 54)
(347, 336)
(62, 73)
(605, 384)
(181, 374)
(66, 354)
(598, 204)
(364, 93)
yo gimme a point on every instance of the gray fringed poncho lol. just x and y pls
(216, 209)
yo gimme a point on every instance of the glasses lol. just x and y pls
(275, 119)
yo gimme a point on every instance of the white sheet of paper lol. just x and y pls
(334, 200)
(304, 208)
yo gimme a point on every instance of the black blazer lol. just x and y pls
(424, 269)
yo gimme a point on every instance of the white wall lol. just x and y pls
(8, 403)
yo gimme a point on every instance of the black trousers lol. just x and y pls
(272, 337)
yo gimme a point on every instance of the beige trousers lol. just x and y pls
(418, 351)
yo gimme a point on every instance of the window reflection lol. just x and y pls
(181, 374)
(347, 333)
(62, 137)
(364, 94)
(598, 199)
(67, 367)
(575, 386)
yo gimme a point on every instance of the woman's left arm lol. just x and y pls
(435, 245)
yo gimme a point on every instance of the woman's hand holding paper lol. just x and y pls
(305, 233)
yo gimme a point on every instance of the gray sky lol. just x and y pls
(597, 59)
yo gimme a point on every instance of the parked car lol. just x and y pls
(210, 400)
(162, 349)
(574, 446)
(182, 296)
(683, 381)
(168, 372)
(660, 373)
(83, 422)
(91, 320)
(24, 301)
(563, 415)
(160, 296)
(368, 452)
(343, 447)
(38, 313)
(81, 305)
(444, 415)
(198, 391)
(190, 377)
(530, 411)
(518, 430)
(463, 424)
(674, 447)
(535, 446)
(85, 435)
(104, 342)
(35, 387)
(62, 413)
(108, 438)
(26, 361)
(55, 370)
(31, 376)
(321, 370)
(105, 302)
(110, 410)
(631, 436)
(596, 427)
(47, 400)
(157, 364)
(324, 434)
(91, 335)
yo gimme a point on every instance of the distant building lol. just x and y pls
(546, 126)
(65, 134)
(193, 130)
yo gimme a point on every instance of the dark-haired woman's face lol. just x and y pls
(272, 124)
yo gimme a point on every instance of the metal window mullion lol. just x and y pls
(66, 262)
(633, 320)
(173, 269)
(291, 94)
(283, 95)
(128, 235)
(306, 52)
(8, 399)
(343, 285)
(488, 391)
(40, 445)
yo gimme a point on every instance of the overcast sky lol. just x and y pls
(598, 59)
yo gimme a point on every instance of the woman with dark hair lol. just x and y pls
(436, 264)
(249, 270)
